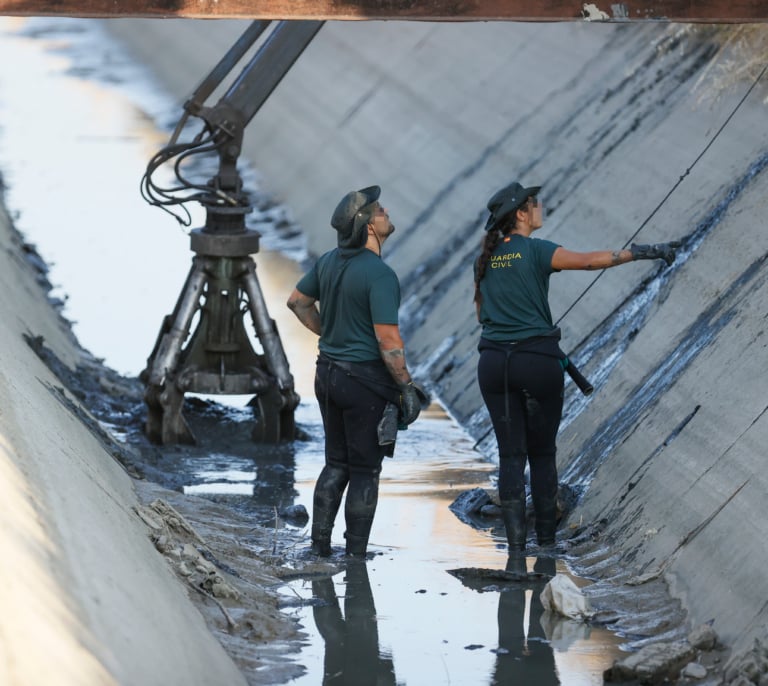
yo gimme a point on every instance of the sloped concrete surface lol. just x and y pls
(86, 599)
(668, 453)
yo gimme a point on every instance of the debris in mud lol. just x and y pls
(563, 597)
(472, 504)
(652, 664)
(479, 507)
(230, 569)
(312, 568)
(163, 519)
(693, 670)
(703, 637)
(170, 532)
(295, 514)
(695, 658)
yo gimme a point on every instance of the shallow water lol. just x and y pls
(72, 151)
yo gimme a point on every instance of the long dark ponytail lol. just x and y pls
(489, 243)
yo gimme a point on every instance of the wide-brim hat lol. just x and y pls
(507, 200)
(353, 212)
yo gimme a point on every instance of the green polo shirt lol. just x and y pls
(355, 290)
(515, 289)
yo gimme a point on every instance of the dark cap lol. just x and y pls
(352, 213)
(507, 200)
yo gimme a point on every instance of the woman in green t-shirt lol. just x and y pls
(520, 371)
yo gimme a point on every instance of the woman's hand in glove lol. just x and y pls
(657, 251)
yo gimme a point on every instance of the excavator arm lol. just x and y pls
(225, 122)
(218, 356)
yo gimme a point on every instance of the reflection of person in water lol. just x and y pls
(521, 659)
(352, 656)
(274, 487)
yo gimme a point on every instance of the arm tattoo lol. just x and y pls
(616, 258)
(394, 360)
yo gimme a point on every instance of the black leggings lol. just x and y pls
(523, 392)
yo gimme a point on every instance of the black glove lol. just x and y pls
(410, 402)
(657, 251)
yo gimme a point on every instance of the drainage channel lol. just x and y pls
(71, 174)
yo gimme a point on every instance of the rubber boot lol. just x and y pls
(325, 505)
(545, 565)
(517, 564)
(362, 498)
(513, 514)
(546, 520)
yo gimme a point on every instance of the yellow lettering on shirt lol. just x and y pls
(501, 261)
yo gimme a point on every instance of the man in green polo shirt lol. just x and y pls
(362, 382)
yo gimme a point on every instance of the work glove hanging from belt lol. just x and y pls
(657, 251)
(412, 398)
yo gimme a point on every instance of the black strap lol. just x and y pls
(548, 344)
(375, 376)
(507, 414)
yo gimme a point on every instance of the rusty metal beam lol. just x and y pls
(705, 11)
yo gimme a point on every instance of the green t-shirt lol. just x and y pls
(515, 289)
(356, 290)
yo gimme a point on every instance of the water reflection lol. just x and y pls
(524, 654)
(535, 646)
(227, 466)
(352, 654)
(528, 636)
(261, 482)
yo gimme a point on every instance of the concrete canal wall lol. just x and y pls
(670, 449)
(85, 597)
